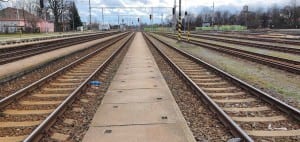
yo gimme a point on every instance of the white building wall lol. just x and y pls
(8, 26)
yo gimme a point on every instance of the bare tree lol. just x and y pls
(74, 17)
(28, 12)
(225, 17)
(233, 19)
(294, 13)
(264, 20)
(198, 21)
(57, 8)
(218, 18)
(32, 23)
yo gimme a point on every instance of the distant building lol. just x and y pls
(245, 8)
(123, 27)
(13, 20)
(104, 27)
(205, 24)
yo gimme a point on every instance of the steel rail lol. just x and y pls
(264, 39)
(261, 94)
(36, 135)
(20, 93)
(16, 46)
(257, 45)
(235, 129)
(284, 64)
(227, 121)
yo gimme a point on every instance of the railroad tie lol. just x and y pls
(259, 119)
(234, 100)
(234, 109)
(12, 138)
(274, 133)
(27, 112)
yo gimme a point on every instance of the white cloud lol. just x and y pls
(191, 5)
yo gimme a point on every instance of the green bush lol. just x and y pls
(223, 28)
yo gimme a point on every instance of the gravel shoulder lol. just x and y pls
(278, 83)
(253, 49)
(253, 41)
(9, 87)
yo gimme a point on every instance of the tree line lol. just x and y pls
(274, 17)
(64, 13)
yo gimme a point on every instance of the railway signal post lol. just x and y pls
(179, 23)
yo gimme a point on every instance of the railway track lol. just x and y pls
(248, 112)
(19, 52)
(28, 113)
(284, 41)
(250, 43)
(280, 63)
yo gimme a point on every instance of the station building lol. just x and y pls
(13, 20)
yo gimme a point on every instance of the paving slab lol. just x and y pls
(135, 114)
(150, 66)
(129, 70)
(136, 96)
(137, 84)
(144, 75)
(138, 133)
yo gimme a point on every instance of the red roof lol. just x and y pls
(10, 14)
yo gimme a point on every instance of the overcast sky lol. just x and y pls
(193, 6)
(131, 15)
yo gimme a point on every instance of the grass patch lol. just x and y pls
(223, 28)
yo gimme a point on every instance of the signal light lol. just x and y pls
(173, 11)
(41, 3)
(150, 16)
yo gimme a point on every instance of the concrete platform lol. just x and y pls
(136, 96)
(24, 65)
(27, 39)
(138, 106)
(137, 133)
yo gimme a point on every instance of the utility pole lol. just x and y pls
(119, 20)
(174, 16)
(62, 15)
(73, 21)
(213, 14)
(188, 26)
(90, 12)
(162, 22)
(102, 18)
(152, 18)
